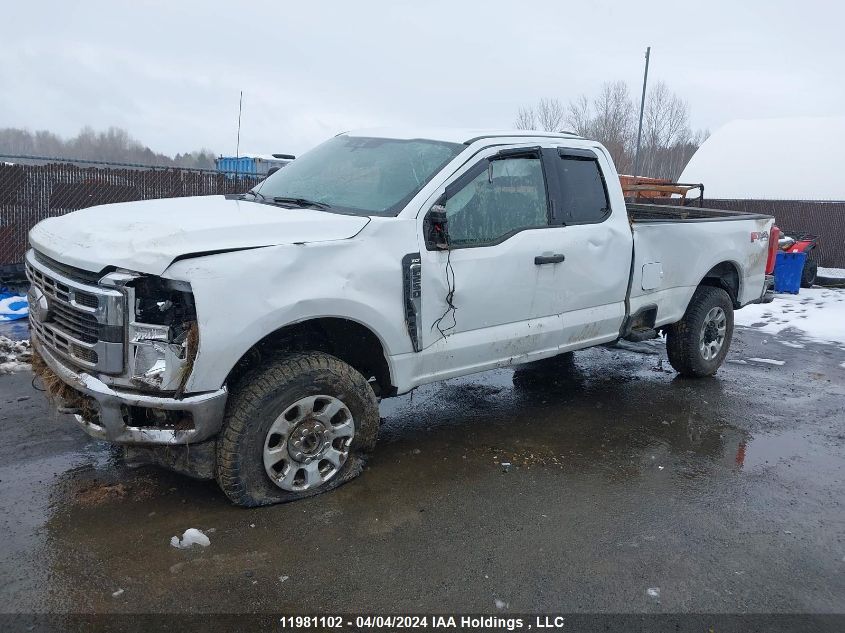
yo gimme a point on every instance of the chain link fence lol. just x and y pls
(33, 188)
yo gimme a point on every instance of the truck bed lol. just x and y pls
(648, 213)
(675, 247)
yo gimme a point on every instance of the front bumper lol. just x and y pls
(114, 408)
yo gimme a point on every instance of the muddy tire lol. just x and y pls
(301, 425)
(808, 275)
(698, 343)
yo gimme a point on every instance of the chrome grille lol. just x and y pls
(74, 323)
(89, 301)
(80, 321)
(88, 355)
(83, 356)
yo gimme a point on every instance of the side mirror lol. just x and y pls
(436, 229)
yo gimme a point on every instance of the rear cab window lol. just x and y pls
(581, 188)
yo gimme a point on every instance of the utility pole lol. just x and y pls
(240, 109)
(642, 108)
(238, 145)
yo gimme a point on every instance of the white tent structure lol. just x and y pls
(772, 159)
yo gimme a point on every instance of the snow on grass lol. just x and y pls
(819, 314)
(14, 355)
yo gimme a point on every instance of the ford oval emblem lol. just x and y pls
(39, 306)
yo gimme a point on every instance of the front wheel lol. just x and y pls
(296, 428)
(698, 343)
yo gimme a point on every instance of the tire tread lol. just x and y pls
(244, 408)
(682, 337)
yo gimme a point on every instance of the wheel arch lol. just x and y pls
(342, 337)
(725, 275)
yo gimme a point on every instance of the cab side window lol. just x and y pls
(505, 196)
(583, 191)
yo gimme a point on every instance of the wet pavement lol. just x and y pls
(16, 330)
(725, 495)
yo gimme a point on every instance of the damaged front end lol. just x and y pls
(163, 335)
(116, 349)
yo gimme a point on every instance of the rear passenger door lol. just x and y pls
(590, 291)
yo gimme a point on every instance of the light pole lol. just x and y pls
(642, 108)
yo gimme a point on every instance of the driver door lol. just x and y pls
(488, 296)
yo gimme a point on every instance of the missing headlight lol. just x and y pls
(163, 302)
(163, 335)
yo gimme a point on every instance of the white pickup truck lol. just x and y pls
(249, 338)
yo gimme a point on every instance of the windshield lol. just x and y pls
(363, 176)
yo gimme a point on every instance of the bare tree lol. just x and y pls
(526, 119)
(611, 118)
(579, 117)
(612, 121)
(550, 115)
(547, 115)
(666, 133)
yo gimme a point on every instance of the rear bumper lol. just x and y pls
(768, 290)
(768, 293)
(113, 420)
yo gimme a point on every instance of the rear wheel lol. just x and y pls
(299, 427)
(698, 343)
(808, 275)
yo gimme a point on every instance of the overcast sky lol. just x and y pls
(170, 72)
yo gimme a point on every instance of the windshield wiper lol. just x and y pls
(256, 194)
(302, 202)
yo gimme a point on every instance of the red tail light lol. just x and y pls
(774, 238)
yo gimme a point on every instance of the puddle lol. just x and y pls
(15, 330)
(789, 447)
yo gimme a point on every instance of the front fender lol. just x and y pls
(244, 296)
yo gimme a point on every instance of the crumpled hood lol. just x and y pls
(147, 236)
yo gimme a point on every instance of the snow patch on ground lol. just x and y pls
(192, 536)
(768, 361)
(14, 355)
(818, 313)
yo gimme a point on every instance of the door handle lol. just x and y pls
(548, 259)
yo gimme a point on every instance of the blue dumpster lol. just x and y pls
(788, 269)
